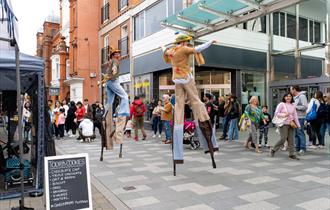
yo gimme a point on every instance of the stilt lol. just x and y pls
(101, 158)
(174, 168)
(120, 151)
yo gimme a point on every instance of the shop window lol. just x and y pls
(317, 32)
(291, 26)
(154, 16)
(142, 87)
(165, 80)
(303, 29)
(275, 23)
(218, 77)
(282, 24)
(203, 78)
(254, 84)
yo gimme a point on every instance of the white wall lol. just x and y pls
(76, 91)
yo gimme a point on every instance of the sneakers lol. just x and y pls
(284, 148)
(301, 152)
(266, 145)
(81, 141)
(293, 157)
(272, 153)
(159, 136)
(168, 142)
(154, 136)
(312, 147)
(144, 137)
(321, 146)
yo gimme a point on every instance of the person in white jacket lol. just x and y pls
(315, 123)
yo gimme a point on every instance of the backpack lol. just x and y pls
(312, 115)
(322, 112)
(139, 110)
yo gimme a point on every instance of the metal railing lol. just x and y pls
(122, 4)
(104, 54)
(105, 13)
(123, 46)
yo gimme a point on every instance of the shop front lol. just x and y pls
(142, 86)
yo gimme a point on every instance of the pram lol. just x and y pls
(189, 128)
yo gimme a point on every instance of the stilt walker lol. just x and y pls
(179, 56)
(113, 87)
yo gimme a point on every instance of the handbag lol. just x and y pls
(293, 124)
(245, 122)
(312, 115)
(279, 121)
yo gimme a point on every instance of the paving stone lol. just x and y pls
(198, 189)
(317, 204)
(258, 196)
(132, 178)
(261, 180)
(142, 202)
(197, 207)
(316, 169)
(261, 205)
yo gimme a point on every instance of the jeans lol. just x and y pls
(300, 138)
(263, 133)
(114, 88)
(167, 130)
(157, 125)
(225, 126)
(233, 129)
(323, 130)
(286, 134)
(315, 132)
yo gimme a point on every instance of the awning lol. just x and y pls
(208, 16)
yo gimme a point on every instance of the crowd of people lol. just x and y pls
(292, 117)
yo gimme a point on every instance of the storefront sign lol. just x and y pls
(124, 78)
(54, 91)
(67, 182)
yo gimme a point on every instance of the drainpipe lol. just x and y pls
(297, 53)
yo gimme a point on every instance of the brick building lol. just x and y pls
(69, 47)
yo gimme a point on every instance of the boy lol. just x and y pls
(263, 128)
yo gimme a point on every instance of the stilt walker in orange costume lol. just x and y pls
(179, 56)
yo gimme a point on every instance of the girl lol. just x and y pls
(61, 122)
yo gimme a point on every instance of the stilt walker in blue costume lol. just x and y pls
(179, 57)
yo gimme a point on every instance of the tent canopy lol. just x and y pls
(208, 16)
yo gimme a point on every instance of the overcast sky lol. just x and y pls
(31, 14)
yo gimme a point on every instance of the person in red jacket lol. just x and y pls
(137, 116)
(80, 114)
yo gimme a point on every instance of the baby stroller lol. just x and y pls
(189, 128)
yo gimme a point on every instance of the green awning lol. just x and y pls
(207, 16)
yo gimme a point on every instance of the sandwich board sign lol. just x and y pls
(67, 182)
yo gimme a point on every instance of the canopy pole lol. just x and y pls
(270, 59)
(297, 53)
(326, 70)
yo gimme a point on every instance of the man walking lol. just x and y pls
(167, 117)
(137, 116)
(300, 102)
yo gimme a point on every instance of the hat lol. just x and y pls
(113, 51)
(183, 38)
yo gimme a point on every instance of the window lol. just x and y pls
(139, 26)
(275, 23)
(105, 13)
(154, 16)
(303, 29)
(148, 21)
(106, 41)
(122, 4)
(317, 32)
(282, 24)
(67, 68)
(311, 31)
(291, 26)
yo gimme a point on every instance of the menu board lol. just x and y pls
(67, 182)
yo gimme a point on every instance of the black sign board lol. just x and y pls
(67, 182)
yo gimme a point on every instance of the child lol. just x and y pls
(61, 122)
(128, 128)
(263, 128)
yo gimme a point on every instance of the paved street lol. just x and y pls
(244, 180)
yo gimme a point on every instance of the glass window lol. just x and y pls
(203, 78)
(220, 77)
(254, 83)
(282, 22)
(178, 6)
(291, 26)
(165, 79)
(275, 23)
(142, 86)
(317, 32)
(263, 24)
(170, 7)
(154, 16)
(139, 26)
(303, 30)
(311, 31)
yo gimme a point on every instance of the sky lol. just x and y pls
(31, 15)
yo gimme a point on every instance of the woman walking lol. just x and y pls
(254, 113)
(314, 106)
(326, 119)
(70, 124)
(233, 115)
(156, 119)
(286, 111)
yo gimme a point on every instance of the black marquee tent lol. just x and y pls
(30, 70)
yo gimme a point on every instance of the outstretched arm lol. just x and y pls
(204, 46)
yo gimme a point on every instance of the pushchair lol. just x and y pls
(189, 128)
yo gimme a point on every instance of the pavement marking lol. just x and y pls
(261, 205)
(144, 201)
(132, 178)
(103, 173)
(199, 189)
(173, 178)
(316, 169)
(261, 164)
(258, 196)
(239, 160)
(280, 170)
(317, 204)
(261, 180)
(197, 207)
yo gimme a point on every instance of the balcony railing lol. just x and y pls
(105, 13)
(123, 46)
(122, 4)
(104, 54)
